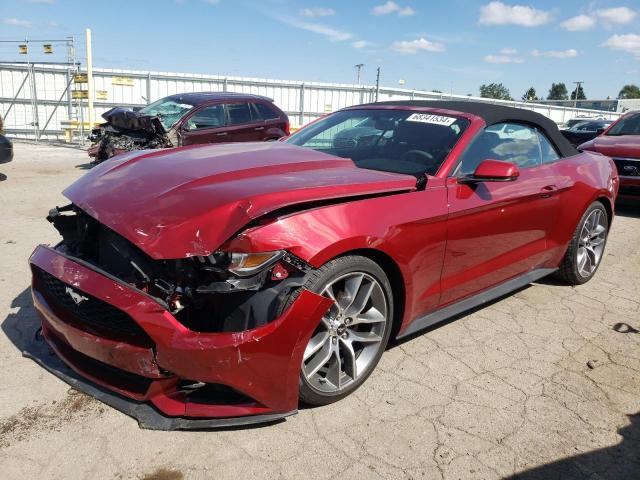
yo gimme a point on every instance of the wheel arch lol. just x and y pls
(396, 280)
(606, 203)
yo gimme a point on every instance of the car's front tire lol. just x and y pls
(348, 342)
(586, 247)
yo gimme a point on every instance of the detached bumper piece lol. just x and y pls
(114, 342)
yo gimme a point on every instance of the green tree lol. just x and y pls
(581, 95)
(629, 91)
(530, 95)
(558, 91)
(495, 90)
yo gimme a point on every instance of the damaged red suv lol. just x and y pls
(189, 119)
(220, 285)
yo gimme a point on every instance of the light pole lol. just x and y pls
(358, 68)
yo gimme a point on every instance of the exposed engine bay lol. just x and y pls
(216, 293)
(127, 130)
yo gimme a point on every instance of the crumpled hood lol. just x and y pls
(188, 201)
(626, 146)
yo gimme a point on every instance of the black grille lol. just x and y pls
(91, 314)
(628, 167)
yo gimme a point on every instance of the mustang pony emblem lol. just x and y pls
(75, 296)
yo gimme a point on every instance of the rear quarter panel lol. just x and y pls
(581, 180)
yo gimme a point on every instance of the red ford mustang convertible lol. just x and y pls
(220, 285)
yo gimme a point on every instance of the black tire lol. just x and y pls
(569, 269)
(316, 281)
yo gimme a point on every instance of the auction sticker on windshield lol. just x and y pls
(433, 119)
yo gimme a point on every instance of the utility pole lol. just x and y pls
(90, 86)
(377, 84)
(575, 95)
(358, 68)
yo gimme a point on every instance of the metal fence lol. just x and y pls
(38, 101)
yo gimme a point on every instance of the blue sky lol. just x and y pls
(430, 44)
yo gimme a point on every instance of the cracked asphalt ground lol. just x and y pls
(542, 384)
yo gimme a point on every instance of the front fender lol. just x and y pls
(409, 228)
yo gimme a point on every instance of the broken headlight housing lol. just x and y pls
(248, 264)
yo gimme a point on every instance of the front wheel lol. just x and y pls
(348, 343)
(586, 248)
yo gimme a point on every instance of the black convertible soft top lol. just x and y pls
(492, 114)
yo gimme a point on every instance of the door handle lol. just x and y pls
(257, 129)
(222, 134)
(548, 190)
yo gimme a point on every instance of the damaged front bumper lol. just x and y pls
(128, 350)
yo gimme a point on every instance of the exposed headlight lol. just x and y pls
(247, 264)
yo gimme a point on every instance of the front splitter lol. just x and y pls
(147, 416)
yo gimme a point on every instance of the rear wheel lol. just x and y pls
(349, 341)
(586, 248)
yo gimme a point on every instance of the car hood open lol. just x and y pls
(188, 201)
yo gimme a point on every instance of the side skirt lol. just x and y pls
(475, 300)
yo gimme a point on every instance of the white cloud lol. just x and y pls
(629, 43)
(609, 17)
(502, 59)
(361, 44)
(578, 23)
(15, 22)
(556, 53)
(616, 16)
(497, 13)
(313, 12)
(211, 2)
(415, 46)
(50, 2)
(331, 33)
(393, 7)
(508, 51)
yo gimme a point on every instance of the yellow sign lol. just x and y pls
(48, 48)
(101, 94)
(23, 49)
(327, 107)
(79, 94)
(125, 81)
(80, 78)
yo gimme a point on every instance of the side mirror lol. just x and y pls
(492, 171)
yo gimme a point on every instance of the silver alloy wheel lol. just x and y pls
(591, 243)
(350, 334)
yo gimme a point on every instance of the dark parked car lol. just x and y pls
(6, 147)
(222, 285)
(583, 131)
(188, 119)
(6, 150)
(621, 141)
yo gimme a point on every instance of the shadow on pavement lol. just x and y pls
(3, 177)
(21, 327)
(619, 462)
(86, 166)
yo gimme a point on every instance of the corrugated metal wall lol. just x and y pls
(31, 107)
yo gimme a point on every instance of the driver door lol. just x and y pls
(206, 125)
(497, 230)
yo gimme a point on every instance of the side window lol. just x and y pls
(266, 112)
(208, 117)
(238, 113)
(547, 151)
(508, 142)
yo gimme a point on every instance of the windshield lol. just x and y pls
(626, 126)
(396, 141)
(167, 110)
